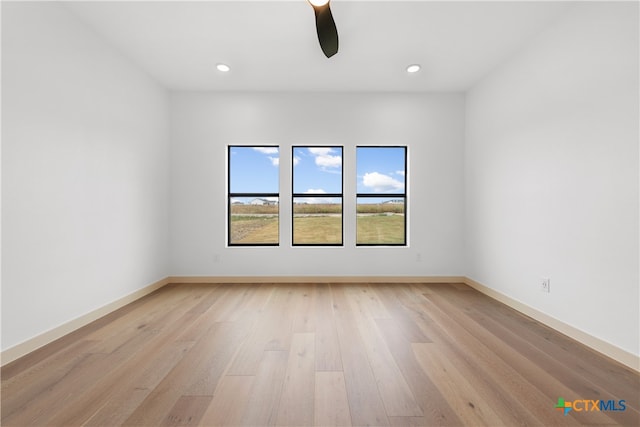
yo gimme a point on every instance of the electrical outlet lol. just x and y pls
(545, 285)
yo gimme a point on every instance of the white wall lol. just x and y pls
(551, 164)
(204, 123)
(545, 182)
(84, 172)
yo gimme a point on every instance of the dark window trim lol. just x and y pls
(402, 195)
(231, 195)
(316, 195)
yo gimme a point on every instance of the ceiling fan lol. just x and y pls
(325, 27)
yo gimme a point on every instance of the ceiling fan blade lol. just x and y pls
(327, 31)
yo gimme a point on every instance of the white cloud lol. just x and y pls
(296, 160)
(329, 161)
(381, 183)
(266, 150)
(320, 151)
(275, 161)
(312, 200)
(401, 173)
(324, 158)
(316, 200)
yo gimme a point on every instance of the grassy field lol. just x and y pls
(318, 224)
(255, 209)
(362, 208)
(380, 229)
(254, 224)
(317, 230)
(318, 208)
(379, 208)
(252, 229)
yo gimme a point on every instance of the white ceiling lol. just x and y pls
(272, 45)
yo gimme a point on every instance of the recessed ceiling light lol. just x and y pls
(223, 67)
(413, 68)
(318, 2)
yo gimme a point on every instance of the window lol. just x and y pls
(317, 196)
(253, 196)
(381, 197)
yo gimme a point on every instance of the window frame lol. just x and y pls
(295, 195)
(231, 195)
(402, 195)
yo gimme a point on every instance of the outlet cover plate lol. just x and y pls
(545, 285)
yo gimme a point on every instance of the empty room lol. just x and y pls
(311, 213)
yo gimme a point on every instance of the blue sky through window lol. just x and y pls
(380, 170)
(317, 170)
(254, 170)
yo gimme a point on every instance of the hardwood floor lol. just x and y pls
(316, 354)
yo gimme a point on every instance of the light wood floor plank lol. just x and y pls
(468, 404)
(398, 317)
(249, 305)
(24, 387)
(512, 411)
(314, 354)
(409, 422)
(365, 404)
(204, 315)
(122, 328)
(304, 314)
(264, 399)
(107, 385)
(435, 408)
(398, 398)
(559, 355)
(187, 411)
(365, 296)
(229, 401)
(38, 411)
(331, 406)
(197, 373)
(327, 346)
(510, 379)
(279, 322)
(572, 378)
(126, 396)
(491, 386)
(115, 360)
(296, 402)
(272, 331)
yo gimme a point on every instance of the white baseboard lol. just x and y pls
(316, 279)
(26, 347)
(628, 359)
